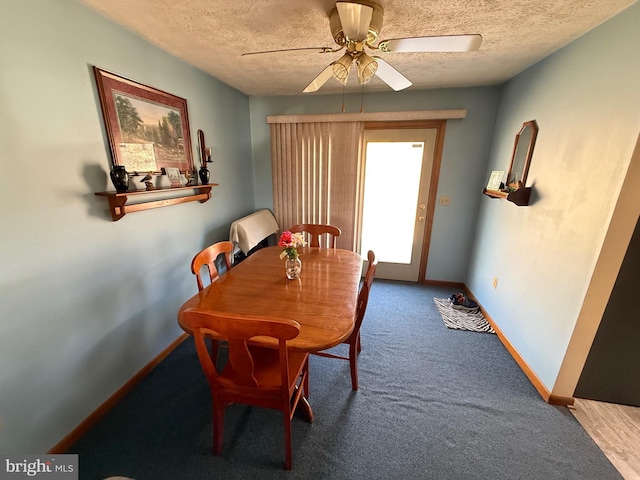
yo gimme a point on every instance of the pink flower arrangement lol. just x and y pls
(290, 242)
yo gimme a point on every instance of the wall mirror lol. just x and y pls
(522, 153)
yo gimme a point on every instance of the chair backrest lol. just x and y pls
(315, 230)
(208, 257)
(363, 296)
(238, 373)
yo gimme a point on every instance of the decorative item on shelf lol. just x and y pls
(147, 179)
(120, 178)
(190, 178)
(290, 242)
(205, 157)
(522, 153)
(173, 174)
(204, 174)
(495, 180)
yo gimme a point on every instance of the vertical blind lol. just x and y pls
(317, 175)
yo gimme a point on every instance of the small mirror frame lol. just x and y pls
(521, 158)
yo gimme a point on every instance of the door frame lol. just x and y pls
(439, 126)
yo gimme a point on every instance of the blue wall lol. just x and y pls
(87, 302)
(586, 100)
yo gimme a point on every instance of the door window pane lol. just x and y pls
(391, 187)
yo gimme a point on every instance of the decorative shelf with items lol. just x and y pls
(119, 207)
(515, 191)
(520, 196)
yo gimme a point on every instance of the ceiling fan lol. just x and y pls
(355, 26)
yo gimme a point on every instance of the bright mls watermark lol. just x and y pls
(49, 467)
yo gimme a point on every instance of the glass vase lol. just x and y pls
(292, 267)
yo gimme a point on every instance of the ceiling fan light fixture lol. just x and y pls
(375, 23)
(341, 68)
(367, 67)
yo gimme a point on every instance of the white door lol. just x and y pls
(396, 190)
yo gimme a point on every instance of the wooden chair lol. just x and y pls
(315, 230)
(355, 345)
(208, 257)
(264, 377)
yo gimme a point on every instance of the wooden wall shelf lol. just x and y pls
(520, 197)
(119, 207)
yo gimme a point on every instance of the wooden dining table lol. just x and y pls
(323, 300)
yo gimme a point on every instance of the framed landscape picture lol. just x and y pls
(148, 129)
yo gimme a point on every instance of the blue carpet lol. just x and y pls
(433, 403)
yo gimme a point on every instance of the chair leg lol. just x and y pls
(286, 415)
(359, 343)
(218, 427)
(304, 400)
(353, 363)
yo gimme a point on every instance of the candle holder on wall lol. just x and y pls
(205, 157)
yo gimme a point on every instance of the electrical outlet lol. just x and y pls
(445, 200)
(495, 282)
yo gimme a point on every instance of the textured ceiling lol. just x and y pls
(212, 35)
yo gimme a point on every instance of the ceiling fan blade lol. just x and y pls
(296, 50)
(391, 76)
(446, 43)
(355, 19)
(320, 80)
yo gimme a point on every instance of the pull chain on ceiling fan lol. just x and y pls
(355, 25)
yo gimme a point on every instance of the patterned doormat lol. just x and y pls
(460, 319)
